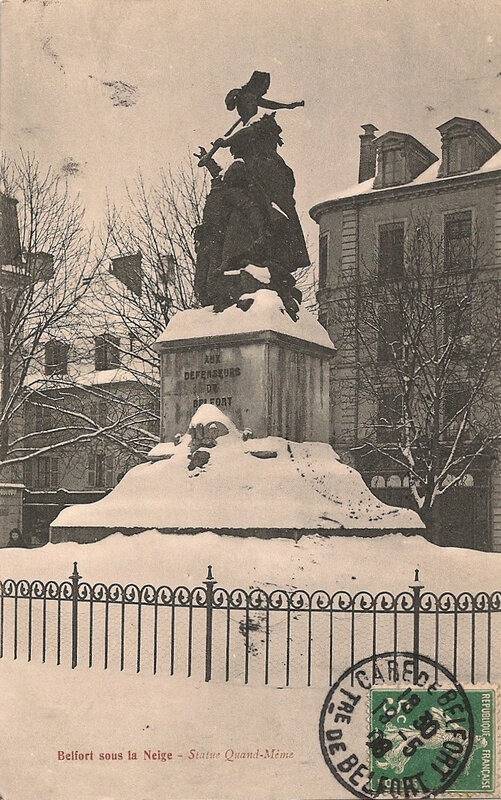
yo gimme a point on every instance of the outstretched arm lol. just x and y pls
(264, 103)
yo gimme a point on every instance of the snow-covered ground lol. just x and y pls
(332, 564)
(47, 708)
(44, 711)
(314, 562)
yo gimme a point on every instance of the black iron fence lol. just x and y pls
(276, 636)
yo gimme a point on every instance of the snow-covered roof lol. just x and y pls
(429, 175)
(102, 376)
(267, 313)
(82, 373)
(239, 483)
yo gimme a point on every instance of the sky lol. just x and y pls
(102, 88)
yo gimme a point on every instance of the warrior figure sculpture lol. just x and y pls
(250, 216)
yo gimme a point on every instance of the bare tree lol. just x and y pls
(156, 232)
(48, 260)
(426, 345)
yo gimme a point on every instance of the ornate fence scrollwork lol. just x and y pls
(293, 631)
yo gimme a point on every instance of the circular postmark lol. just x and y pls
(396, 725)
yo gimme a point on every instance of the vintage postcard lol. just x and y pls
(250, 419)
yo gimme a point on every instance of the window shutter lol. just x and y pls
(43, 472)
(28, 473)
(391, 250)
(54, 473)
(99, 353)
(29, 419)
(102, 413)
(62, 357)
(454, 402)
(389, 417)
(100, 470)
(91, 476)
(390, 340)
(49, 358)
(109, 470)
(457, 230)
(323, 256)
(113, 352)
(46, 418)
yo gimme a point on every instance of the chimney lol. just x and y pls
(128, 270)
(367, 165)
(10, 244)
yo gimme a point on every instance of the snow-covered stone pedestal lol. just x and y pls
(266, 372)
(216, 478)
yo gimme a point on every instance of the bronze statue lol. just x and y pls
(250, 215)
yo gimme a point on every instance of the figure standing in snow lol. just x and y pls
(250, 216)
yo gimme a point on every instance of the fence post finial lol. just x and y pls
(74, 577)
(209, 585)
(416, 587)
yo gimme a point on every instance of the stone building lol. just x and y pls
(460, 192)
(11, 273)
(98, 397)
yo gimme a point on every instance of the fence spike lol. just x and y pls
(75, 575)
(210, 576)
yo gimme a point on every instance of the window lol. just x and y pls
(457, 320)
(99, 413)
(56, 357)
(42, 473)
(106, 351)
(458, 155)
(455, 405)
(100, 470)
(389, 417)
(153, 417)
(457, 241)
(323, 258)
(43, 418)
(391, 250)
(390, 336)
(393, 167)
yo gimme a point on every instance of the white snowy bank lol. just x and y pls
(315, 562)
(216, 478)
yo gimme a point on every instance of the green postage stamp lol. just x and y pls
(407, 725)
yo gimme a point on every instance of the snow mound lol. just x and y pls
(267, 313)
(215, 477)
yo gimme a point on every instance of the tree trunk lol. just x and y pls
(431, 519)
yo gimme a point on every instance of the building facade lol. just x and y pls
(93, 406)
(79, 407)
(364, 236)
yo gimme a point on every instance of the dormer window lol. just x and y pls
(106, 353)
(466, 145)
(400, 159)
(393, 167)
(458, 156)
